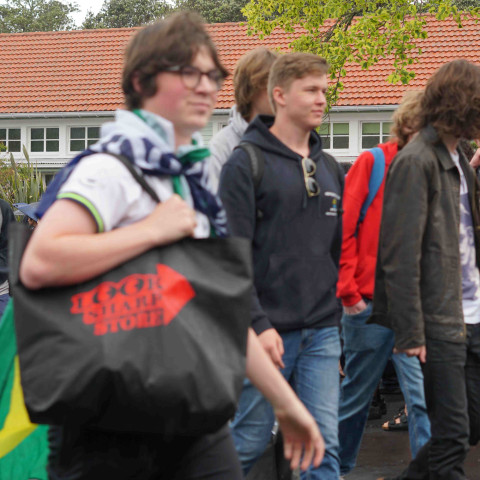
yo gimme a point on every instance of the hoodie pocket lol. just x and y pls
(298, 290)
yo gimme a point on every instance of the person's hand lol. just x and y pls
(355, 309)
(301, 435)
(171, 220)
(272, 343)
(420, 352)
(475, 161)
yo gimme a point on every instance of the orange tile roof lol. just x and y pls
(79, 71)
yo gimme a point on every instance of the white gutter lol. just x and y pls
(57, 115)
(364, 108)
(343, 108)
(217, 111)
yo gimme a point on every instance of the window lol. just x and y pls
(374, 133)
(44, 139)
(10, 138)
(83, 137)
(335, 135)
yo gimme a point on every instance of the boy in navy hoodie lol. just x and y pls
(293, 219)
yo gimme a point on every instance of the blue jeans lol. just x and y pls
(311, 366)
(367, 349)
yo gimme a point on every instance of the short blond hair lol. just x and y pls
(293, 66)
(251, 78)
(406, 118)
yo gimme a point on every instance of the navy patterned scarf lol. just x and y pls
(146, 142)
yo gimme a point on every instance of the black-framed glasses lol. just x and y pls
(191, 76)
(309, 169)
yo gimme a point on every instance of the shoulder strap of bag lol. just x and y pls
(19, 234)
(257, 165)
(376, 179)
(138, 177)
(257, 161)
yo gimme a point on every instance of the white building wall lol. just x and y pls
(353, 118)
(53, 161)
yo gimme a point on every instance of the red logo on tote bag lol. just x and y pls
(136, 301)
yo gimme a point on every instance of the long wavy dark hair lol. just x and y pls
(451, 101)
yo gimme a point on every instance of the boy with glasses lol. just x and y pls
(293, 220)
(99, 217)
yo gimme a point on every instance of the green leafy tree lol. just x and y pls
(215, 11)
(466, 4)
(36, 16)
(126, 13)
(360, 31)
(20, 182)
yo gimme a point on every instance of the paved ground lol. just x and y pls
(382, 453)
(387, 453)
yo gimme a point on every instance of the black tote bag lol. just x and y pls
(156, 345)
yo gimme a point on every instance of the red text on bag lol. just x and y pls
(137, 301)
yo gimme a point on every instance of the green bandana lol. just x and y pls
(186, 153)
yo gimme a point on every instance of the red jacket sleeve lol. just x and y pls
(355, 194)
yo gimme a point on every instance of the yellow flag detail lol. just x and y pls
(17, 424)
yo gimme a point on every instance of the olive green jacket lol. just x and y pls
(418, 279)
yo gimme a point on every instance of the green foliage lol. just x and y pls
(126, 13)
(132, 13)
(36, 16)
(20, 182)
(215, 11)
(467, 4)
(359, 31)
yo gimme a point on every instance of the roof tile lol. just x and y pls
(80, 70)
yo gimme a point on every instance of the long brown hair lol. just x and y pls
(451, 101)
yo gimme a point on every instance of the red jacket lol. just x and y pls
(359, 254)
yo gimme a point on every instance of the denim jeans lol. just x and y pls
(311, 366)
(367, 349)
(452, 387)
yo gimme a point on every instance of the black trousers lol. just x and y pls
(452, 392)
(93, 455)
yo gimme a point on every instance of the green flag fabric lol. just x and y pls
(23, 445)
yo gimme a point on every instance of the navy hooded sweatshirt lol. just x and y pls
(296, 240)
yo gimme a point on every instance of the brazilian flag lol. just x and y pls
(23, 445)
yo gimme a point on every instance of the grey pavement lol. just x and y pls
(381, 454)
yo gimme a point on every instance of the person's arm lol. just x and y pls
(65, 248)
(404, 217)
(354, 195)
(300, 431)
(237, 193)
(475, 161)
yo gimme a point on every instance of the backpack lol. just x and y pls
(257, 166)
(375, 182)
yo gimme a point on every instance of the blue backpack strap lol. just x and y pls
(376, 179)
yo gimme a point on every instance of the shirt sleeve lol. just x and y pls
(104, 187)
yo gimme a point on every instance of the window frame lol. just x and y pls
(8, 140)
(331, 135)
(382, 136)
(44, 140)
(85, 139)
